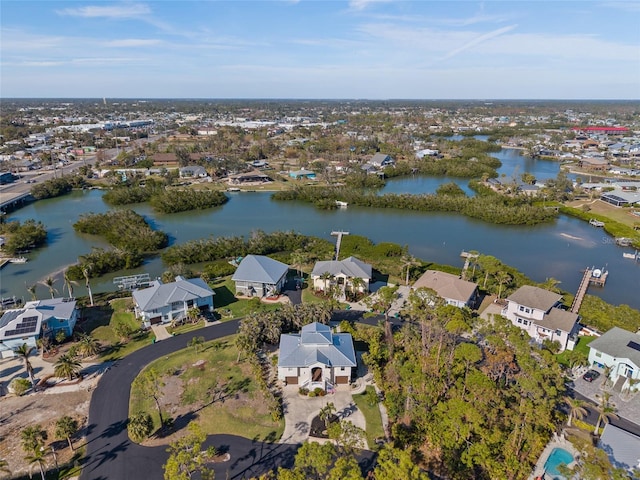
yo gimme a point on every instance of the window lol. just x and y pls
(521, 308)
(342, 369)
(558, 332)
(598, 354)
(176, 305)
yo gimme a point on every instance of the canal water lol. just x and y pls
(560, 249)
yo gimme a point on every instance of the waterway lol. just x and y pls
(560, 249)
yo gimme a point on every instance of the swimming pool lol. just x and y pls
(558, 457)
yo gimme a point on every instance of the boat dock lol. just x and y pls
(468, 257)
(5, 260)
(592, 276)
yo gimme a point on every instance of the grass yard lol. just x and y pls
(581, 350)
(600, 207)
(371, 416)
(99, 321)
(228, 306)
(209, 386)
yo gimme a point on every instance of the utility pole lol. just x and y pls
(338, 234)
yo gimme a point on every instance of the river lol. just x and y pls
(560, 249)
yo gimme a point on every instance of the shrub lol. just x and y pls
(312, 394)
(319, 392)
(19, 386)
(303, 391)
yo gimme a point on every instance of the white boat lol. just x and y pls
(18, 260)
(341, 204)
(632, 256)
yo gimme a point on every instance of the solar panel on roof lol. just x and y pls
(634, 345)
(26, 325)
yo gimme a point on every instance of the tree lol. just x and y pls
(4, 467)
(68, 283)
(326, 412)
(577, 409)
(88, 346)
(150, 384)
(394, 463)
(326, 278)
(382, 301)
(24, 351)
(503, 278)
(347, 436)
(33, 438)
(345, 468)
(195, 342)
(86, 270)
(37, 457)
(193, 314)
(32, 290)
(140, 426)
(122, 330)
(49, 283)
(186, 456)
(605, 410)
(67, 367)
(314, 459)
(66, 427)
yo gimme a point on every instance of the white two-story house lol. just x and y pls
(166, 302)
(536, 311)
(619, 350)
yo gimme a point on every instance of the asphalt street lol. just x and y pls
(110, 453)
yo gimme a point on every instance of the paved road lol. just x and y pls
(110, 453)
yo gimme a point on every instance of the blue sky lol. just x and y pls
(369, 49)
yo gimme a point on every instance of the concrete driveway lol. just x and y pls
(300, 411)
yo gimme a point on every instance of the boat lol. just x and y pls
(623, 242)
(341, 204)
(596, 223)
(632, 256)
(18, 260)
(233, 189)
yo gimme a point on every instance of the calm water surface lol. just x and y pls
(558, 250)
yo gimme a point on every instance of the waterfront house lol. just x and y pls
(37, 318)
(260, 276)
(381, 160)
(168, 302)
(537, 311)
(193, 171)
(342, 273)
(302, 174)
(619, 350)
(316, 357)
(451, 288)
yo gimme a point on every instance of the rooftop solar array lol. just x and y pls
(615, 197)
(26, 325)
(634, 345)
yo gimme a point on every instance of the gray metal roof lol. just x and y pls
(535, 297)
(316, 344)
(13, 323)
(350, 267)
(161, 294)
(61, 308)
(615, 342)
(622, 447)
(260, 269)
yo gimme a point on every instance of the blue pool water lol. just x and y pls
(558, 456)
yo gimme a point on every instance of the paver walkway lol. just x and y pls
(160, 331)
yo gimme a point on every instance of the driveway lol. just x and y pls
(110, 453)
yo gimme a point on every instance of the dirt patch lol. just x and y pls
(16, 413)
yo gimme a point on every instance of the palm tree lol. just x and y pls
(193, 314)
(86, 269)
(140, 426)
(33, 438)
(605, 410)
(88, 346)
(67, 366)
(37, 458)
(577, 409)
(326, 412)
(326, 277)
(66, 427)
(49, 282)
(24, 351)
(503, 278)
(68, 283)
(32, 290)
(195, 342)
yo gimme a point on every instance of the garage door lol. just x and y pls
(155, 320)
(291, 380)
(342, 380)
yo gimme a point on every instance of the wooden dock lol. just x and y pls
(468, 256)
(599, 279)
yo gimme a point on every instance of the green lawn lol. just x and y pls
(581, 350)
(240, 411)
(371, 416)
(228, 306)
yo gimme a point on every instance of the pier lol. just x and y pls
(592, 276)
(468, 257)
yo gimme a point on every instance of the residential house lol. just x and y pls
(536, 311)
(36, 319)
(260, 276)
(342, 273)
(194, 171)
(168, 302)
(316, 357)
(381, 160)
(619, 350)
(622, 447)
(451, 288)
(165, 160)
(302, 174)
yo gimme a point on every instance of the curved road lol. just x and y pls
(112, 456)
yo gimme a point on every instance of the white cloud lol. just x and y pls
(132, 42)
(134, 10)
(363, 4)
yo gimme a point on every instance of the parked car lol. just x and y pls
(591, 375)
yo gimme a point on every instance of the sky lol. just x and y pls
(311, 49)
